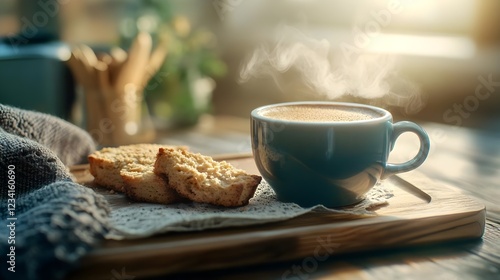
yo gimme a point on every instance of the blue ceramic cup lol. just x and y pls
(328, 153)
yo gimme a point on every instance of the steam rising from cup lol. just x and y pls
(329, 73)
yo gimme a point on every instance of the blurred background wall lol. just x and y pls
(428, 60)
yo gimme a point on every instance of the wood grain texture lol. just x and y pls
(409, 219)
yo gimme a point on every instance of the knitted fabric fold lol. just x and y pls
(50, 222)
(70, 143)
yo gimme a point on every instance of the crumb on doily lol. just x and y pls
(376, 206)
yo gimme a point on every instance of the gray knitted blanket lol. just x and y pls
(49, 222)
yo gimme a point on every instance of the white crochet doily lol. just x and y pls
(135, 220)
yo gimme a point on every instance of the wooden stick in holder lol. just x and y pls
(113, 85)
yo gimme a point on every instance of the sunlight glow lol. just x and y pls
(434, 46)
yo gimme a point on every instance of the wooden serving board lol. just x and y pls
(421, 212)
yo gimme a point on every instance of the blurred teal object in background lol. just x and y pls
(35, 76)
(33, 70)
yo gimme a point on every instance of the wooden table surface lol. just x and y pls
(466, 159)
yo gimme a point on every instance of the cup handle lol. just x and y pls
(398, 129)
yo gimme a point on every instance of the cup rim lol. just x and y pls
(385, 115)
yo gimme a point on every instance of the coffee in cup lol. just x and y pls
(318, 113)
(328, 153)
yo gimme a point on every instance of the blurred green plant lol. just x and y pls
(181, 90)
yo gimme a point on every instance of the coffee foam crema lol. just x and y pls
(319, 113)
